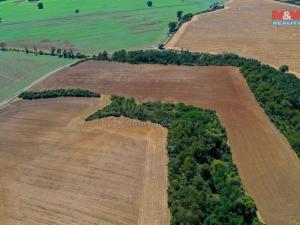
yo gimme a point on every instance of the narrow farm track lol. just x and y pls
(7, 101)
(244, 27)
(55, 168)
(269, 168)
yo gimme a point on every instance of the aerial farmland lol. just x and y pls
(97, 25)
(145, 112)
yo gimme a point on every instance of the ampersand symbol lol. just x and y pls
(286, 15)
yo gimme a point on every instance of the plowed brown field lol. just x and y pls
(56, 169)
(269, 168)
(244, 27)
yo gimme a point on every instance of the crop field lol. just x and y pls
(99, 24)
(18, 70)
(268, 167)
(60, 164)
(57, 169)
(245, 28)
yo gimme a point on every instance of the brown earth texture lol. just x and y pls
(57, 169)
(244, 27)
(269, 168)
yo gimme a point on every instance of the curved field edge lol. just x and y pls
(21, 70)
(204, 187)
(278, 93)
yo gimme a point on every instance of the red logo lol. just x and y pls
(286, 15)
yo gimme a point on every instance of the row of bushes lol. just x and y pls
(58, 93)
(277, 92)
(204, 187)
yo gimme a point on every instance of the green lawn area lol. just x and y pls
(99, 25)
(18, 70)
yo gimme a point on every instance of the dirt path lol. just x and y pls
(269, 168)
(245, 28)
(57, 169)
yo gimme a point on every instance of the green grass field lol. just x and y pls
(18, 70)
(99, 25)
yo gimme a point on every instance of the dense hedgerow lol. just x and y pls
(58, 93)
(277, 92)
(204, 185)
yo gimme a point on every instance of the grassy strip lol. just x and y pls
(277, 92)
(204, 185)
(58, 93)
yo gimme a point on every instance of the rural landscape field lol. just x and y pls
(145, 112)
(124, 174)
(253, 139)
(98, 25)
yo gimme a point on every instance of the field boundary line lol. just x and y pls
(172, 40)
(34, 83)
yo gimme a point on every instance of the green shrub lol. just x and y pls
(284, 68)
(40, 5)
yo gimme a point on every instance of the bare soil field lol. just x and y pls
(244, 27)
(269, 168)
(57, 169)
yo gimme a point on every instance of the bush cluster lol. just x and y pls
(204, 185)
(58, 93)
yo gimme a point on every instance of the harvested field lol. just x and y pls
(244, 27)
(55, 168)
(269, 168)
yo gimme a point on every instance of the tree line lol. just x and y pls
(58, 93)
(277, 91)
(60, 52)
(204, 186)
